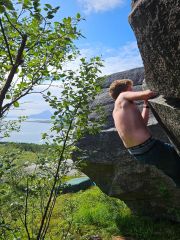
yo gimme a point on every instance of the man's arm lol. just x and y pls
(145, 112)
(140, 95)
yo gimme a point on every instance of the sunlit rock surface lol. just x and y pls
(156, 25)
(145, 188)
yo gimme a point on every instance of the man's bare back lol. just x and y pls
(131, 125)
(129, 122)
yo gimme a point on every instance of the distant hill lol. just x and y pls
(42, 115)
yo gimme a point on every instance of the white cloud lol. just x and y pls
(124, 58)
(115, 60)
(99, 5)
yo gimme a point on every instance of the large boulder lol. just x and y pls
(146, 189)
(156, 25)
(157, 29)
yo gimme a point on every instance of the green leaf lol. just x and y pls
(8, 96)
(9, 5)
(22, 85)
(16, 104)
(44, 135)
(27, 3)
(78, 16)
(48, 6)
(2, 9)
(50, 16)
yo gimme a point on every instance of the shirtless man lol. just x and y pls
(132, 128)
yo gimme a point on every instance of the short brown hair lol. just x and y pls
(119, 86)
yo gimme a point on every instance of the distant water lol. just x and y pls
(30, 132)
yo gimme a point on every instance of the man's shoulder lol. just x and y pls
(121, 99)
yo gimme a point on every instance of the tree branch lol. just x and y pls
(44, 222)
(15, 66)
(26, 209)
(27, 90)
(8, 105)
(6, 41)
(4, 108)
(13, 24)
(36, 42)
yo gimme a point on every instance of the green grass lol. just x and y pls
(25, 152)
(91, 212)
(94, 213)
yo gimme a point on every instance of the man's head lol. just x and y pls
(119, 86)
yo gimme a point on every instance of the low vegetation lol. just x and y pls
(26, 152)
(80, 215)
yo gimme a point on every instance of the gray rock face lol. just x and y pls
(156, 25)
(145, 188)
(167, 112)
(136, 74)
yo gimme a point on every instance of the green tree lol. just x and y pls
(71, 120)
(31, 195)
(33, 48)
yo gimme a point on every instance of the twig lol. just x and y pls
(49, 215)
(36, 42)
(44, 222)
(6, 41)
(21, 12)
(13, 24)
(26, 209)
(27, 90)
(8, 105)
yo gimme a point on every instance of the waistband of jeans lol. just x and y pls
(143, 147)
(142, 144)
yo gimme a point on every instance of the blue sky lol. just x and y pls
(107, 33)
(105, 23)
(106, 30)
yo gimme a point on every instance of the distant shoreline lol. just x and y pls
(39, 121)
(30, 120)
(31, 131)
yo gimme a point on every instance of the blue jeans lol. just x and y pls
(160, 154)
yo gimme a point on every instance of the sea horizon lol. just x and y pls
(31, 131)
